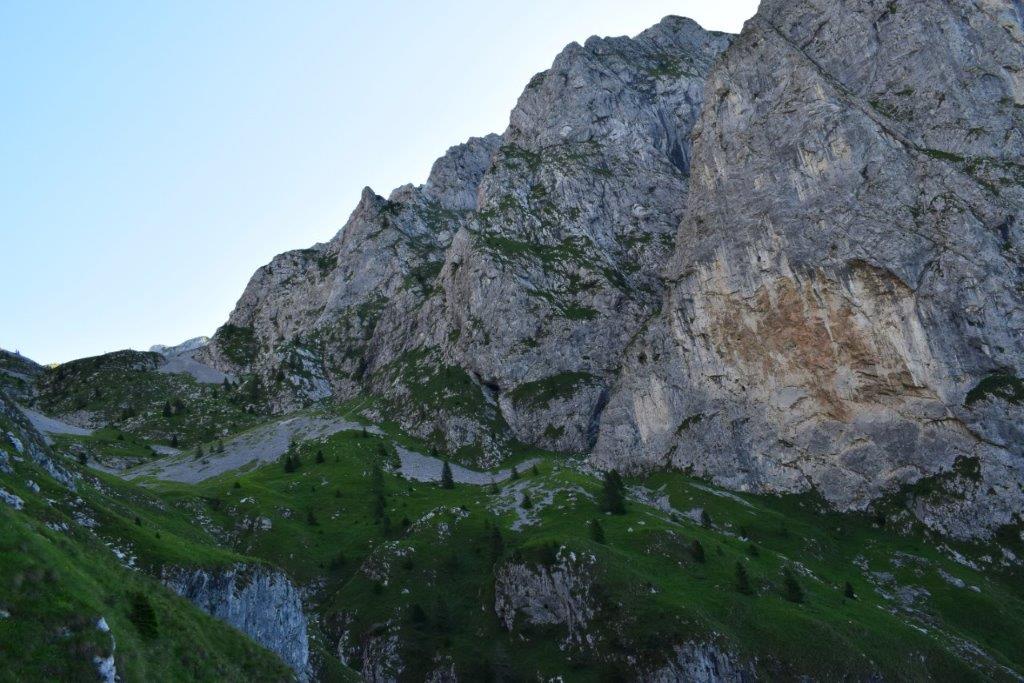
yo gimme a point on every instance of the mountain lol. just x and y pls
(494, 302)
(845, 304)
(706, 369)
(810, 281)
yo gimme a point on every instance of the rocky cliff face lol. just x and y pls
(847, 279)
(260, 602)
(837, 196)
(495, 300)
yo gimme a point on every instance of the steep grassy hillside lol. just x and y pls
(77, 582)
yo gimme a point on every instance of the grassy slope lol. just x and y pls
(59, 577)
(124, 390)
(651, 592)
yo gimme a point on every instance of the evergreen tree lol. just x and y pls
(446, 476)
(220, 446)
(697, 551)
(494, 486)
(364, 433)
(379, 507)
(527, 502)
(753, 551)
(289, 464)
(143, 616)
(534, 470)
(225, 385)
(612, 498)
(497, 543)
(167, 408)
(376, 479)
(849, 592)
(515, 473)
(174, 440)
(597, 532)
(311, 518)
(337, 493)
(742, 579)
(793, 591)
(705, 519)
(416, 614)
(199, 451)
(442, 615)
(319, 457)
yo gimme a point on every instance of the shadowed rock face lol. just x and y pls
(849, 267)
(259, 602)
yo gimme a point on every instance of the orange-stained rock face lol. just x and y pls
(843, 342)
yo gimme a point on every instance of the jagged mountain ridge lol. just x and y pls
(527, 258)
(841, 270)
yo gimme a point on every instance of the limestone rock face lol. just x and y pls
(556, 595)
(850, 265)
(494, 301)
(783, 261)
(260, 602)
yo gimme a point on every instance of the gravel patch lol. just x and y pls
(428, 468)
(260, 445)
(48, 425)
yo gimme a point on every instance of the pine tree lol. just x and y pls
(174, 440)
(416, 614)
(167, 408)
(705, 519)
(793, 591)
(364, 433)
(143, 616)
(199, 452)
(753, 551)
(311, 518)
(319, 457)
(697, 551)
(446, 476)
(597, 532)
(225, 385)
(742, 579)
(612, 498)
(220, 446)
(515, 473)
(534, 470)
(849, 592)
(289, 464)
(527, 502)
(497, 543)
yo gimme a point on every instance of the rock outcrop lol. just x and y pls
(701, 663)
(558, 594)
(848, 278)
(258, 601)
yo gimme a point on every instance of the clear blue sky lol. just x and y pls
(153, 154)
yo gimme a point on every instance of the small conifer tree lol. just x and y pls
(791, 587)
(446, 476)
(742, 579)
(597, 532)
(697, 551)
